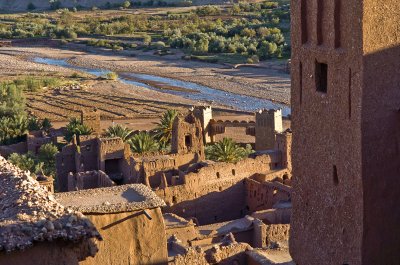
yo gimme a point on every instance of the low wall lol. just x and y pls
(7, 150)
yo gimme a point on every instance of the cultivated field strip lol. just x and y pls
(62, 105)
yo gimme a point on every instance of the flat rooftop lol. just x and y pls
(271, 256)
(172, 221)
(124, 198)
(224, 228)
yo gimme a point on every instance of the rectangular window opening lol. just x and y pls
(321, 77)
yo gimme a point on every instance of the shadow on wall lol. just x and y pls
(381, 163)
(215, 206)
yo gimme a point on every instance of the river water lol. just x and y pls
(200, 93)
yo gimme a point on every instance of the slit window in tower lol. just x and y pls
(321, 77)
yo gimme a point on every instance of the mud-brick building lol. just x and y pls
(346, 128)
(35, 229)
(129, 220)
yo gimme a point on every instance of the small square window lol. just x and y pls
(321, 77)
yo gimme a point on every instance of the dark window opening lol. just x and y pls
(188, 141)
(335, 175)
(321, 77)
(220, 188)
(173, 199)
(218, 176)
(233, 172)
(215, 218)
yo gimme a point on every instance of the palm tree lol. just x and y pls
(164, 127)
(13, 129)
(119, 131)
(226, 150)
(142, 143)
(75, 127)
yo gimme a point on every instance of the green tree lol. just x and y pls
(164, 127)
(75, 127)
(13, 129)
(226, 150)
(126, 4)
(47, 156)
(46, 124)
(143, 143)
(119, 131)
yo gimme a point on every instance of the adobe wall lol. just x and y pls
(187, 136)
(35, 140)
(19, 148)
(263, 195)
(92, 120)
(380, 131)
(284, 144)
(65, 163)
(268, 123)
(234, 253)
(217, 191)
(49, 253)
(88, 180)
(89, 150)
(130, 238)
(345, 81)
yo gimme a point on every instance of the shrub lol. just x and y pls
(126, 4)
(112, 76)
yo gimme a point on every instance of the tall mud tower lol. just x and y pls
(346, 132)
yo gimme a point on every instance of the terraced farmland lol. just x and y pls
(61, 105)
